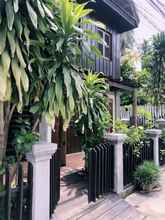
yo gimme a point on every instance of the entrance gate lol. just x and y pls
(100, 171)
(100, 174)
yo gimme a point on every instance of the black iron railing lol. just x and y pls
(54, 181)
(16, 193)
(161, 151)
(132, 159)
(100, 170)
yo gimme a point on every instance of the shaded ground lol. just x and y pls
(151, 205)
(73, 183)
(74, 204)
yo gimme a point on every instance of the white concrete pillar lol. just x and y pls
(45, 131)
(155, 134)
(117, 140)
(40, 159)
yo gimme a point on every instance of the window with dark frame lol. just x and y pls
(105, 48)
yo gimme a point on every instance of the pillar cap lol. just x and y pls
(153, 132)
(41, 151)
(116, 137)
(161, 120)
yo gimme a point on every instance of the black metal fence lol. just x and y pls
(133, 159)
(100, 171)
(16, 193)
(161, 152)
(54, 181)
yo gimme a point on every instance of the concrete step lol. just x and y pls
(71, 207)
(121, 211)
(97, 209)
(111, 207)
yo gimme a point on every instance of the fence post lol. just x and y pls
(154, 134)
(40, 159)
(161, 123)
(117, 140)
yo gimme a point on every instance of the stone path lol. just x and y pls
(151, 205)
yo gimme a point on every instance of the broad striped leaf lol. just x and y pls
(18, 25)
(16, 5)
(24, 80)
(8, 90)
(67, 81)
(2, 39)
(9, 14)
(32, 14)
(11, 40)
(3, 83)
(40, 8)
(59, 89)
(27, 34)
(20, 56)
(5, 58)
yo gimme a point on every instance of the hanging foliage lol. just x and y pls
(19, 23)
(19, 26)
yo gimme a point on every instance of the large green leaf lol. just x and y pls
(3, 83)
(16, 5)
(19, 55)
(2, 38)
(27, 37)
(11, 40)
(5, 58)
(10, 14)
(67, 81)
(32, 14)
(18, 25)
(24, 80)
(40, 8)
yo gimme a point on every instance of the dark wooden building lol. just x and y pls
(118, 16)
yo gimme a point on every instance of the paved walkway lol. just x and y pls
(151, 205)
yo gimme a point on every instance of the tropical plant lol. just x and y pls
(60, 87)
(58, 91)
(121, 127)
(146, 175)
(95, 123)
(41, 70)
(20, 23)
(134, 136)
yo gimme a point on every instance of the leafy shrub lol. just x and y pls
(146, 174)
(135, 138)
(135, 135)
(121, 127)
(147, 115)
(24, 141)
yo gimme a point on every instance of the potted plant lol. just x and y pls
(146, 176)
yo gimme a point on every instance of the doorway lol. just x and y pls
(73, 181)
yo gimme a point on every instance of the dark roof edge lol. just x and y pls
(116, 7)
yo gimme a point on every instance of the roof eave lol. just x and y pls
(133, 23)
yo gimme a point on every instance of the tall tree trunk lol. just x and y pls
(61, 144)
(2, 132)
(6, 112)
